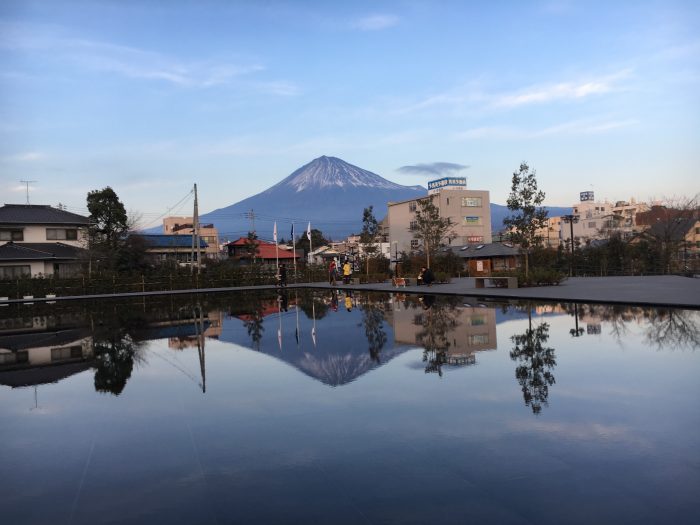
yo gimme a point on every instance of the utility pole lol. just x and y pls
(27, 183)
(251, 216)
(195, 229)
(571, 219)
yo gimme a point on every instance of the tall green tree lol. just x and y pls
(317, 240)
(251, 246)
(431, 228)
(109, 222)
(369, 233)
(528, 215)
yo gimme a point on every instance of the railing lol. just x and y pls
(111, 284)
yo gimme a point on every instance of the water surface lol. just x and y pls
(335, 408)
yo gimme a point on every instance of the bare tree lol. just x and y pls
(431, 229)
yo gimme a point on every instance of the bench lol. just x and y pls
(399, 281)
(512, 282)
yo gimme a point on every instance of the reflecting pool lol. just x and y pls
(311, 407)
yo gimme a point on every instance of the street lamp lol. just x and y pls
(571, 219)
(576, 332)
(396, 258)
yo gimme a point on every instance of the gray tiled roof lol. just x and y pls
(172, 241)
(38, 251)
(477, 251)
(38, 214)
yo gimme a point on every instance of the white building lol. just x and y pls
(40, 240)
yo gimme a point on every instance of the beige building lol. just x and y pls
(468, 210)
(473, 329)
(207, 232)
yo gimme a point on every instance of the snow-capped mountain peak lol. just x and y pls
(328, 172)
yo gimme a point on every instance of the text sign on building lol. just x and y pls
(586, 196)
(447, 182)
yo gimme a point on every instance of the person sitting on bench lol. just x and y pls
(428, 277)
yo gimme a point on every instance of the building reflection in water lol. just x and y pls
(46, 344)
(451, 331)
(58, 343)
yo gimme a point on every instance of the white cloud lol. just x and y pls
(476, 97)
(29, 156)
(127, 61)
(574, 127)
(376, 22)
(562, 91)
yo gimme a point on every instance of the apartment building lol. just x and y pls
(468, 210)
(597, 220)
(207, 232)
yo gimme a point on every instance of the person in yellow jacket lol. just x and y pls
(346, 272)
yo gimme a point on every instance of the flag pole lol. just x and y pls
(294, 253)
(308, 234)
(277, 255)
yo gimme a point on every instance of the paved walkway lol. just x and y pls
(659, 290)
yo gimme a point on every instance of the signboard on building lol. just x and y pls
(447, 182)
(586, 196)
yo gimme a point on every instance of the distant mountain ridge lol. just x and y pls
(327, 192)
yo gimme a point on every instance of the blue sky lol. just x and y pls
(150, 97)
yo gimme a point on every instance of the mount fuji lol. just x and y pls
(328, 192)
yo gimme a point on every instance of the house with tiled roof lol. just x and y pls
(265, 252)
(40, 240)
(177, 248)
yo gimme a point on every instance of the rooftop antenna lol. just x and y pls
(27, 183)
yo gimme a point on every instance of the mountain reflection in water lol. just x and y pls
(334, 337)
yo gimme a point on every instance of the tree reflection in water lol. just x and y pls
(115, 358)
(373, 322)
(534, 371)
(669, 328)
(665, 328)
(436, 321)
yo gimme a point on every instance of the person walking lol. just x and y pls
(332, 273)
(347, 270)
(283, 275)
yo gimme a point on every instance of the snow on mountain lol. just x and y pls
(326, 172)
(328, 192)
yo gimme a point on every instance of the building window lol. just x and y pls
(591, 224)
(64, 354)
(14, 358)
(478, 339)
(471, 202)
(11, 272)
(11, 235)
(475, 238)
(412, 206)
(61, 234)
(448, 201)
(414, 244)
(471, 220)
(413, 225)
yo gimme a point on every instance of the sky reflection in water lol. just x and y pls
(331, 408)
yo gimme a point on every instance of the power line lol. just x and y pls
(180, 203)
